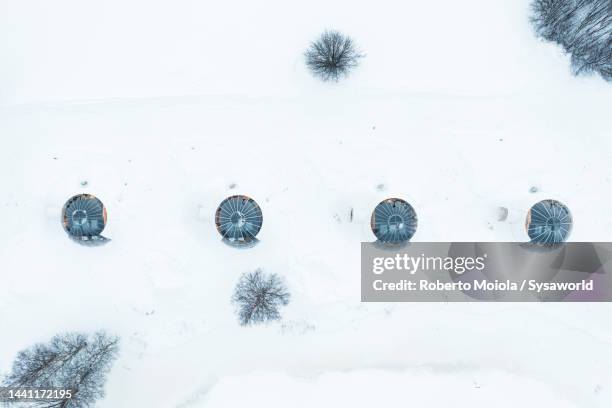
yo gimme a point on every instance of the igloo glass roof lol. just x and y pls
(239, 219)
(394, 221)
(549, 222)
(84, 216)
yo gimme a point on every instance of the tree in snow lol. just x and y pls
(582, 27)
(258, 297)
(332, 56)
(74, 361)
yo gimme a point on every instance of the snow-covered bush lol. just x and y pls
(582, 27)
(258, 297)
(332, 56)
(74, 361)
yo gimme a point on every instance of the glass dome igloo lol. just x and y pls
(84, 217)
(394, 221)
(548, 222)
(238, 219)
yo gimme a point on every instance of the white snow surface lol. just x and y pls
(161, 106)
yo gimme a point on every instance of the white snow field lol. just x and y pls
(161, 106)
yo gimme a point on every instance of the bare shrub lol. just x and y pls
(332, 56)
(582, 27)
(258, 297)
(74, 361)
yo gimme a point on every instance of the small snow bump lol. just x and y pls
(502, 214)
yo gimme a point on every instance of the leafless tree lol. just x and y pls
(582, 27)
(332, 56)
(74, 361)
(258, 297)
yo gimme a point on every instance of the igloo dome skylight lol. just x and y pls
(394, 221)
(239, 219)
(548, 222)
(84, 216)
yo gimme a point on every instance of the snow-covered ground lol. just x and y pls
(162, 106)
